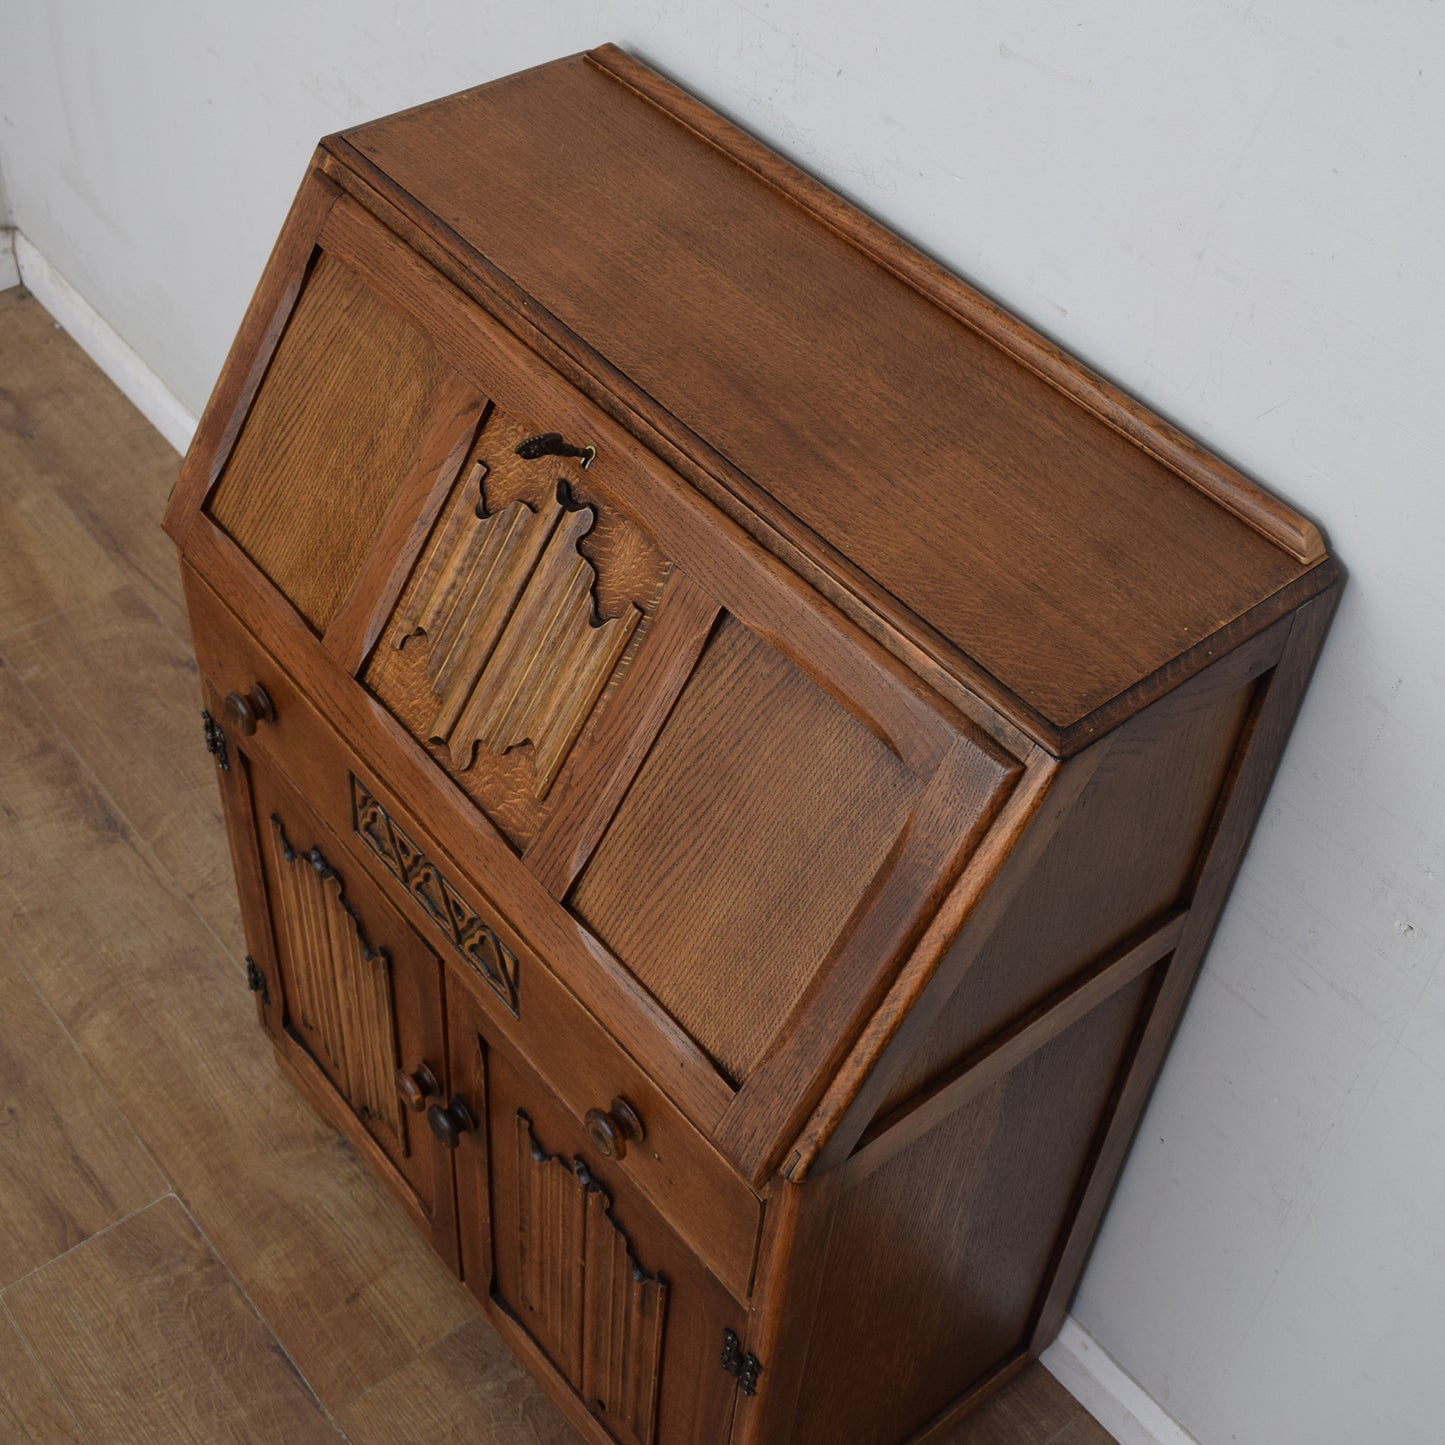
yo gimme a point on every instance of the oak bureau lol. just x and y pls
(733, 749)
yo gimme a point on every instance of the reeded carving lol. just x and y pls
(592, 1307)
(338, 993)
(506, 607)
(471, 938)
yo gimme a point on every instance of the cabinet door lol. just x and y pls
(562, 1244)
(357, 1008)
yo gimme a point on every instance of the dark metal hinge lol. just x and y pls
(215, 741)
(745, 1368)
(256, 980)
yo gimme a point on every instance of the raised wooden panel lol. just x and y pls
(939, 1237)
(345, 406)
(529, 598)
(584, 1297)
(622, 1344)
(516, 653)
(567, 1250)
(338, 985)
(744, 845)
(551, 1225)
(1124, 857)
(353, 995)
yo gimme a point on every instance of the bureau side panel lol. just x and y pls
(939, 1249)
(1123, 857)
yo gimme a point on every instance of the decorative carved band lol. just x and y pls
(476, 943)
(589, 1304)
(337, 984)
(506, 604)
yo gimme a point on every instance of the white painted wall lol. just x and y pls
(1234, 207)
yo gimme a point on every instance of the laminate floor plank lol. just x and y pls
(468, 1389)
(31, 1410)
(50, 561)
(149, 1340)
(86, 444)
(1033, 1407)
(70, 1163)
(141, 984)
(123, 689)
(1085, 1430)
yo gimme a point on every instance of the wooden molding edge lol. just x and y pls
(1245, 498)
(1029, 793)
(941, 664)
(1094, 984)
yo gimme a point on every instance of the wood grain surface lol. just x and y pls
(530, 591)
(80, 485)
(989, 653)
(989, 526)
(1033, 1406)
(100, 909)
(70, 1163)
(1123, 857)
(465, 1390)
(937, 1238)
(112, 846)
(149, 1338)
(32, 1411)
(168, 1018)
(736, 917)
(81, 664)
(93, 821)
(326, 446)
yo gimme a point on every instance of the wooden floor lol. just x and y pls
(186, 1251)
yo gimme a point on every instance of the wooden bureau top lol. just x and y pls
(1025, 526)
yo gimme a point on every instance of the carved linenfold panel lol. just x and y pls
(590, 1305)
(516, 650)
(338, 986)
(552, 1232)
(471, 938)
(622, 1344)
(527, 605)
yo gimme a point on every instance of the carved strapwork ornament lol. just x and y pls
(516, 652)
(458, 924)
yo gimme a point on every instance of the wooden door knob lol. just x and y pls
(451, 1122)
(245, 710)
(416, 1088)
(610, 1130)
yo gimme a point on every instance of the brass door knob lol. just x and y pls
(611, 1129)
(451, 1122)
(245, 710)
(416, 1088)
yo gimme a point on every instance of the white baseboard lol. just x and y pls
(145, 390)
(1078, 1362)
(9, 271)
